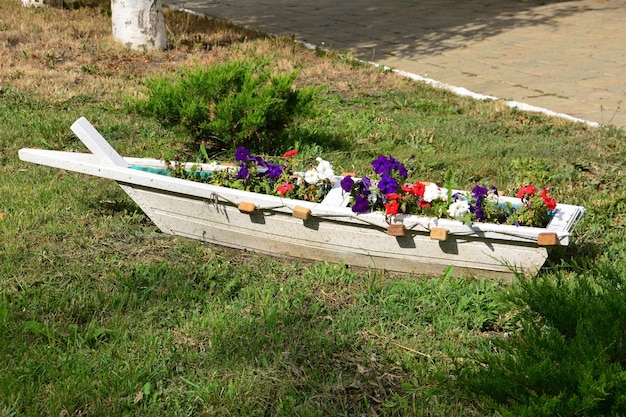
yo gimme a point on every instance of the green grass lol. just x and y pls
(100, 314)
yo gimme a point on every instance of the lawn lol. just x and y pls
(101, 314)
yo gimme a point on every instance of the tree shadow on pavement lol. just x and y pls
(400, 28)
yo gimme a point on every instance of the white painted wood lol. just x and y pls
(139, 24)
(94, 141)
(332, 233)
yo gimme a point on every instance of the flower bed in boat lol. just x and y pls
(388, 191)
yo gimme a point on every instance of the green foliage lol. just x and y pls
(238, 103)
(568, 357)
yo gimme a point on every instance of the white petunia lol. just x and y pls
(443, 194)
(458, 209)
(431, 192)
(212, 166)
(324, 169)
(311, 176)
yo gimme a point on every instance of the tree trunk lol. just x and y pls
(39, 3)
(138, 24)
(32, 3)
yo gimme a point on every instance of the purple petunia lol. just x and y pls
(274, 171)
(477, 208)
(361, 204)
(387, 184)
(347, 183)
(243, 172)
(479, 192)
(402, 170)
(387, 165)
(259, 161)
(381, 165)
(365, 185)
(478, 211)
(242, 154)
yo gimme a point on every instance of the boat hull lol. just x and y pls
(326, 231)
(362, 245)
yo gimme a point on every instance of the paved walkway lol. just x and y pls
(565, 56)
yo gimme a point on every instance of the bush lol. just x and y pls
(568, 357)
(235, 103)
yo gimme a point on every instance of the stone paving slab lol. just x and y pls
(565, 56)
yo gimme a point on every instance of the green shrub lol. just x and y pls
(235, 103)
(568, 357)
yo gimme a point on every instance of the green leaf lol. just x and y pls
(204, 153)
(34, 327)
(4, 310)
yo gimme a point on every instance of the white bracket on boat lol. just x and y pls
(96, 143)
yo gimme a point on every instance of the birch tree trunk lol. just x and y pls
(138, 24)
(39, 3)
(32, 3)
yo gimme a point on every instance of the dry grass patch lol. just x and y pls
(64, 53)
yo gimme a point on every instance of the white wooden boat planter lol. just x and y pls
(326, 231)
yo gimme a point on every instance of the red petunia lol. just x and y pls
(423, 204)
(392, 207)
(550, 203)
(394, 196)
(547, 200)
(528, 190)
(419, 189)
(290, 153)
(284, 188)
(416, 190)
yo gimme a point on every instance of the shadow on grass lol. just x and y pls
(241, 326)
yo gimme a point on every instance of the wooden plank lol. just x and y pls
(439, 233)
(303, 213)
(547, 239)
(96, 143)
(396, 229)
(246, 207)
